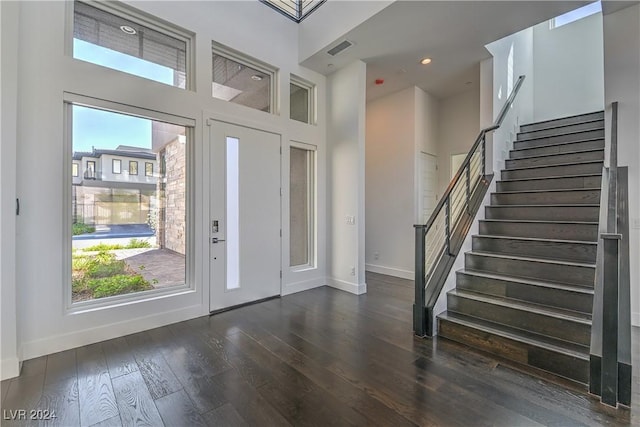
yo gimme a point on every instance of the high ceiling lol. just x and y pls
(452, 33)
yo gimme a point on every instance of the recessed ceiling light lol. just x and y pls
(128, 30)
(425, 61)
(256, 77)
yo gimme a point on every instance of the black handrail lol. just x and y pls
(422, 309)
(610, 353)
(479, 139)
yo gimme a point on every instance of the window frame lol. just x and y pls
(93, 169)
(312, 204)
(146, 169)
(133, 162)
(69, 100)
(75, 170)
(311, 100)
(263, 67)
(115, 162)
(141, 18)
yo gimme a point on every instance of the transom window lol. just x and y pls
(114, 37)
(242, 80)
(301, 100)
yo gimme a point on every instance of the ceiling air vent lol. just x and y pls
(339, 48)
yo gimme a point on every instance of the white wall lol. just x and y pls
(522, 110)
(568, 68)
(45, 323)
(427, 111)
(346, 172)
(331, 21)
(622, 84)
(9, 349)
(390, 192)
(459, 127)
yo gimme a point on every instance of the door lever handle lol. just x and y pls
(216, 240)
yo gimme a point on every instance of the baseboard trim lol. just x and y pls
(635, 319)
(304, 285)
(353, 288)
(390, 271)
(9, 368)
(76, 339)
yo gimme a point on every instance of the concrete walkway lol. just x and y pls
(162, 266)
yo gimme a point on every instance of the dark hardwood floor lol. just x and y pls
(321, 357)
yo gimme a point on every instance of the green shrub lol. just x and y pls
(81, 228)
(116, 285)
(133, 244)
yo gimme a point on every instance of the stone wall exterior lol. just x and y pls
(172, 190)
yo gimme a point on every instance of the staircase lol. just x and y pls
(526, 291)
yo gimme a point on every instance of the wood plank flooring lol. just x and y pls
(321, 357)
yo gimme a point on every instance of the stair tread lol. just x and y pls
(586, 162)
(559, 134)
(555, 144)
(537, 340)
(559, 126)
(551, 177)
(548, 190)
(565, 118)
(532, 259)
(540, 156)
(543, 310)
(539, 220)
(529, 281)
(536, 239)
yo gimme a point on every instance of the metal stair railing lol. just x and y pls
(438, 241)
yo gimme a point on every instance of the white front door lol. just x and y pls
(245, 215)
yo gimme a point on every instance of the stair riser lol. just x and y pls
(556, 363)
(560, 170)
(564, 329)
(549, 140)
(576, 275)
(550, 184)
(527, 134)
(555, 159)
(554, 297)
(563, 122)
(562, 231)
(547, 198)
(596, 144)
(543, 213)
(579, 252)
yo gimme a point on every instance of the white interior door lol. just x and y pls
(245, 215)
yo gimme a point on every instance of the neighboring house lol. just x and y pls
(134, 167)
(114, 186)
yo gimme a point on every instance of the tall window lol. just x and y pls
(242, 80)
(109, 35)
(129, 236)
(133, 167)
(302, 205)
(148, 169)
